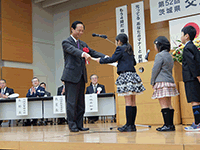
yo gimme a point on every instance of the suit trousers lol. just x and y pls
(74, 93)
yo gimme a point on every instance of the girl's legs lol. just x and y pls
(168, 113)
(196, 111)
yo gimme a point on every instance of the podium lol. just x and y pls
(149, 110)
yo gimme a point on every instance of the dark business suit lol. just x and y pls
(190, 70)
(75, 76)
(90, 90)
(60, 90)
(8, 90)
(40, 91)
(47, 93)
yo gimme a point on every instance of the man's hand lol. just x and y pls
(32, 90)
(98, 60)
(4, 96)
(86, 56)
(198, 78)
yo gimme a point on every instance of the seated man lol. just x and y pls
(61, 91)
(4, 91)
(42, 84)
(94, 88)
(35, 91)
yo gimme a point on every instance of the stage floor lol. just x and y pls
(99, 134)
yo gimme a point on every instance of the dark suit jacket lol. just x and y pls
(40, 91)
(126, 62)
(47, 93)
(74, 64)
(90, 89)
(60, 90)
(190, 62)
(8, 90)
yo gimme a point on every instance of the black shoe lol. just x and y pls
(133, 127)
(125, 128)
(83, 129)
(166, 128)
(74, 130)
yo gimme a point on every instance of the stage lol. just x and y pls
(58, 137)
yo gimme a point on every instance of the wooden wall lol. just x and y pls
(101, 19)
(16, 27)
(16, 43)
(18, 79)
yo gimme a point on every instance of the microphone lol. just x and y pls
(94, 34)
(99, 35)
(147, 55)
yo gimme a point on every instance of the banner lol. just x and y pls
(139, 37)
(122, 20)
(91, 103)
(21, 106)
(59, 105)
(175, 27)
(168, 9)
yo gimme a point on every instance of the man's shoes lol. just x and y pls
(74, 130)
(83, 129)
(166, 128)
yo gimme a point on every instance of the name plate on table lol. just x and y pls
(21, 106)
(59, 105)
(91, 104)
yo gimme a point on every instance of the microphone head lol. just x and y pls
(94, 34)
(148, 50)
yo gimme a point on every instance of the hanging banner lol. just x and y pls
(59, 105)
(21, 106)
(122, 20)
(139, 37)
(168, 9)
(91, 104)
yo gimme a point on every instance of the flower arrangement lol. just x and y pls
(178, 50)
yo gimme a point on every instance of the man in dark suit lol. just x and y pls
(94, 88)
(35, 91)
(4, 91)
(76, 54)
(61, 91)
(42, 84)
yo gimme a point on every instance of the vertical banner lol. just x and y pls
(21, 106)
(91, 104)
(139, 37)
(122, 20)
(59, 105)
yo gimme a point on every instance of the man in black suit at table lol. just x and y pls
(4, 91)
(94, 88)
(61, 89)
(43, 84)
(76, 54)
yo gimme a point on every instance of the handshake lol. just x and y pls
(88, 57)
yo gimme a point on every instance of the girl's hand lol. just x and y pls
(198, 78)
(98, 59)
